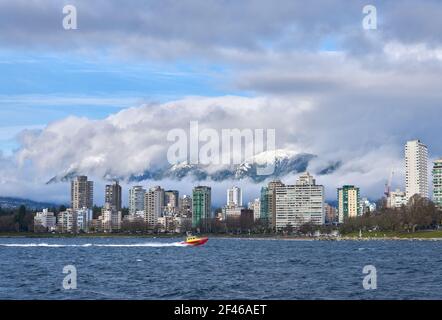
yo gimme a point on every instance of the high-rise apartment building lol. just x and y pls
(233, 207)
(67, 221)
(201, 205)
(153, 205)
(255, 205)
(330, 214)
(82, 193)
(264, 206)
(348, 203)
(171, 198)
(136, 199)
(111, 218)
(185, 206)
(234, 197)
(112, 195)
(416, 169)
(437, 183)
(298, 204)
(268, 203)
(84, 219)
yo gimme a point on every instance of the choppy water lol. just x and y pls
(136, 268)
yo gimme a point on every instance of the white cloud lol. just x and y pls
(134, 140)
(416, 52)
(131, 141)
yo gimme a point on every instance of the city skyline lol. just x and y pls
(279, 204)
(236, 193)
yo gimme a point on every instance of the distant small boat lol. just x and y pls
(195, 241)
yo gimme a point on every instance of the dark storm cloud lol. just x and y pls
(199, 26)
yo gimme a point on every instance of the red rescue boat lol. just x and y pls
(195, 241)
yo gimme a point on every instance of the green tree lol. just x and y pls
(96, 211)
(124, 211)
(20, 218)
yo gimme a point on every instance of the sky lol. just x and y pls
(100, 99)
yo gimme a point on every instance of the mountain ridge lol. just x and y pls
(285, 163)
(15, 202)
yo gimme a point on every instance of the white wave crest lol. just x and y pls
(52, 245)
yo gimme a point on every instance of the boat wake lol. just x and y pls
(132, 245)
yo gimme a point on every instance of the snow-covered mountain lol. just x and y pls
(283, 162)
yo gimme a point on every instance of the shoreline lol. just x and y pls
(402, 237)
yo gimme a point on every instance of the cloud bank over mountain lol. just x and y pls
(346, 145)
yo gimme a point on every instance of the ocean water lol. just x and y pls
(145, 268)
